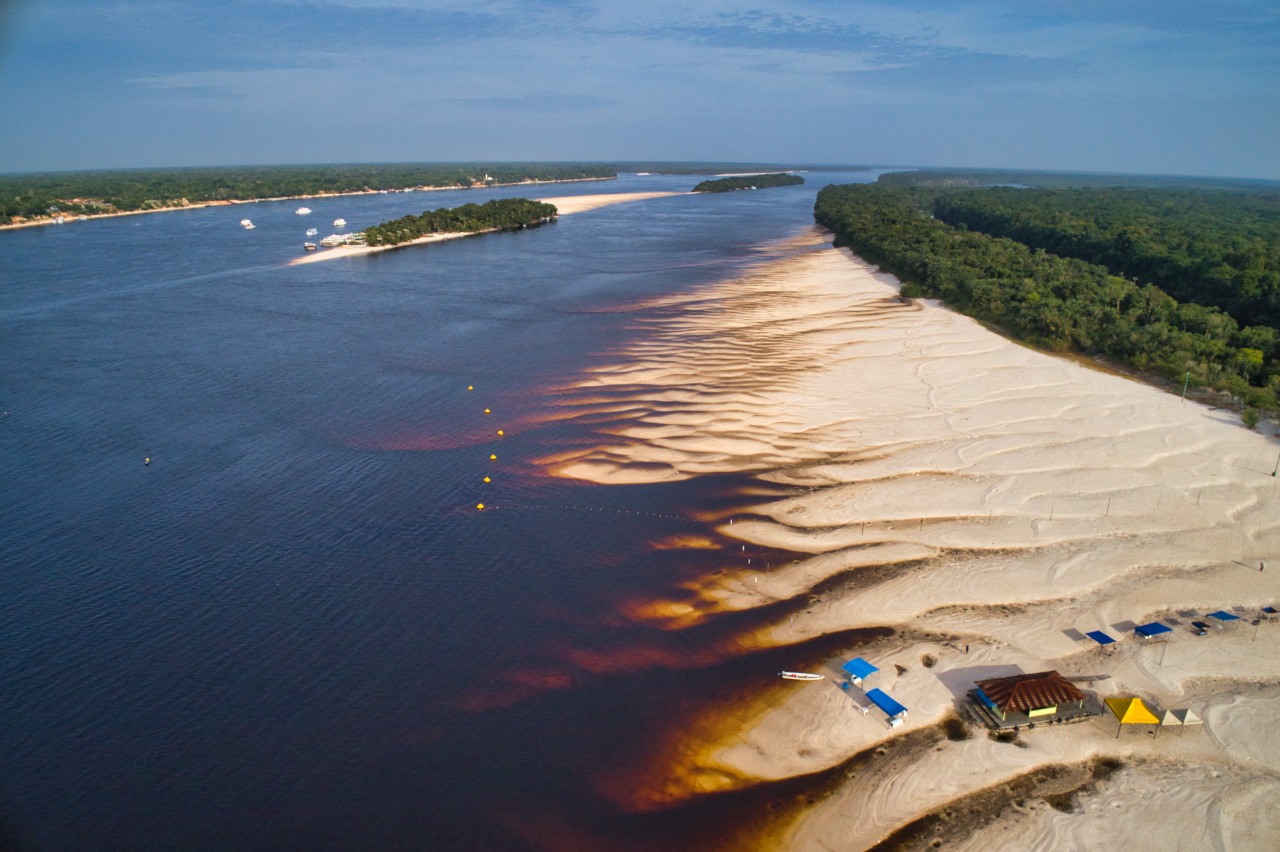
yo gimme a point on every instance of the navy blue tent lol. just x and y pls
(1100, 637)
(1155, 628)
(1224, 616)
(892, 709)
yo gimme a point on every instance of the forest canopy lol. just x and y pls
(90, 193)
(504, 214)
(733, 184)
(1069, 303)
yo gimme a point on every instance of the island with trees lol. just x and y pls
(504, 214)
(49, 197)
(734, 184)
(1178, 282)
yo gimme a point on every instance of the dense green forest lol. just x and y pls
(1059, 303)
(733, 184)
(1210, 248)
(506, 214)
(75, 193)
(960, 178)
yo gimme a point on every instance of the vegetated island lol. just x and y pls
(508, 214)
(1090, 270)
(49, 198)
(733, 184)
(501, 214)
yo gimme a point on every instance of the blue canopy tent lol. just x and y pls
(891, 708)
(1155, 628)
(859, 670)
(1100, 637)
(1223, 618)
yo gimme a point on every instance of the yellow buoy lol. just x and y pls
(469, 387)
(486, 479)
(486, 411)
(480, 506)
(492, 457)
(499, 433)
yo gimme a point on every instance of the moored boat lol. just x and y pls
(801, 676)
(339, 223)
(303, 211)
(309, 246)
(311, 232)
(247, 225)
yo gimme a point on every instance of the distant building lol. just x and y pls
(1029, 698)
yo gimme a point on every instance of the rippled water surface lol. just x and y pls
(292, 628)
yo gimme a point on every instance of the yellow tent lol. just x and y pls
(1131, 711)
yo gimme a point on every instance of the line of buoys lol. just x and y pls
(594, 509)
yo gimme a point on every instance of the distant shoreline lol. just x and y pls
(67, 220)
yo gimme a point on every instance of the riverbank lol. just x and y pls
(68, 220)
(564, 205)
(986, 503)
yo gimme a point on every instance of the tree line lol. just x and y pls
(505, 214)
(732, 184)
(1219, 249)
(1055, 302)
(89, 193)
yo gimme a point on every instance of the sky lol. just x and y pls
(1142, 86)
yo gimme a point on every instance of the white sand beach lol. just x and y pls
(989, 504)
(564, 206)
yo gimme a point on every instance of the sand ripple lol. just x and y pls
(986, 501)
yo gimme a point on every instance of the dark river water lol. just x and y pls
(292, 629)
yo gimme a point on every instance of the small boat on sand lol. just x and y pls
(801, 676)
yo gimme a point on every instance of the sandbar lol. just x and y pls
(564, 206)
(987, 504)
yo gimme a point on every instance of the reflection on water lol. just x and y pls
(292, 628)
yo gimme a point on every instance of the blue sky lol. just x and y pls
(1154, 86)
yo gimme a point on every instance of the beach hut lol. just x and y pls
(859, 670)
(895, 711)
(1023, 699)
(1131, 711)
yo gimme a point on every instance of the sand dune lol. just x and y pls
(967, 493)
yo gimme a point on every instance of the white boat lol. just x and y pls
(801, 676)
(339, 223)
(303, 211)
(308, 246)
(247, 225)
(311, 232)
(333, 240)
